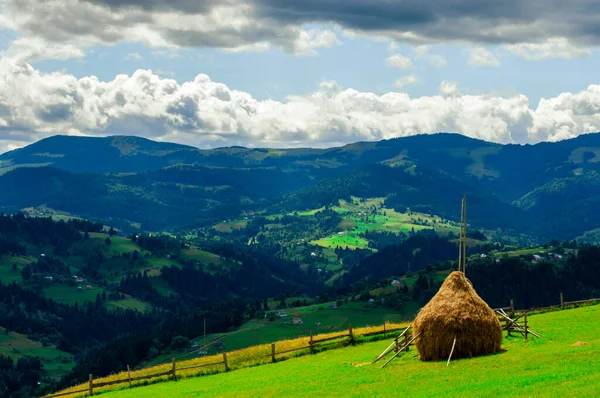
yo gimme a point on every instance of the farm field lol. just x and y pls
(66, 294)
(359, 217)
(129, 304)
(330, 320)
(55, 362)
(559, 364)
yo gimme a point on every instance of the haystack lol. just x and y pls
(456, 310)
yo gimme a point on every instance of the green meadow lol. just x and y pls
(56, 363)
(564, 362)
(318, 318)
(359, 218)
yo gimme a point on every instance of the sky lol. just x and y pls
(303, 73)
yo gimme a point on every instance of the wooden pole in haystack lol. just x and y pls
(451, 351)
(462, 236)
(464, 266)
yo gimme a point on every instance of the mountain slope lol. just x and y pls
(530, 189)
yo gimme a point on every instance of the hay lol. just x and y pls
(456, 310)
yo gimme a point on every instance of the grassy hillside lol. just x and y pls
(562, 363)
(56, 362)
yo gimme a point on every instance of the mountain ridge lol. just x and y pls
(520, 187)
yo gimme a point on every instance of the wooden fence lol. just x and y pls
(313, 344)
(562, 304)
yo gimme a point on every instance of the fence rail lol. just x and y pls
(312, 344)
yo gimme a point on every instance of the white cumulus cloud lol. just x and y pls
(201, 112)
(479, 56)
(406, 80)
(398, 61)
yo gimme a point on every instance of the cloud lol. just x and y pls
(161, 72)
(528, 28)
(430, 21)
(479, 56)
(224, 24)
(201, 112)
(398, 61)
(556, 47)
(134, 57)
(32, 49)
(422, 52)
(406, 80)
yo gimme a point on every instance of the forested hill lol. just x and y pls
(546, 190)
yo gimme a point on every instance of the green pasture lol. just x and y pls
(56, 363)
(350, 240)
(331, 320)
(231, 226)
(66, 294)
(563, 363)
(129, 304)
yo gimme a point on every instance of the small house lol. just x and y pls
(396, 283)
(89, 287)
(297, 321)
(483, 255)
(371, 301)
(313, 254)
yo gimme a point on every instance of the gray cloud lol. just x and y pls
(531, 29)
(509, 21)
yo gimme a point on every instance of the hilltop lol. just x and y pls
(547, 190)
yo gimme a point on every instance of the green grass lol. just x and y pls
(231, 226)
(56, 363)
(129, 303)
(354, 223)
(350, 240)
(66, 294)
(202, 256)
(7, 274)
(550, 367)
(162, 286)
(332, 320)
(523, 252)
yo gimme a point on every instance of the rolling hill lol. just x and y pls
(561, 363)
(548, 190)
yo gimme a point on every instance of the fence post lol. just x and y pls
(225, 362)
(508, 327)
(396, 341)
(512, 305)
(350, 334)
(91, 385)
(525, 322)
(273, 352)
(174, 369)
(562, 300)
(129, 375)
(310, 343)
(406, 340)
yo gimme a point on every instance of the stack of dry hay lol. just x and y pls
(456, 311)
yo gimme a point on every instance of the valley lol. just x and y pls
(130, 264)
